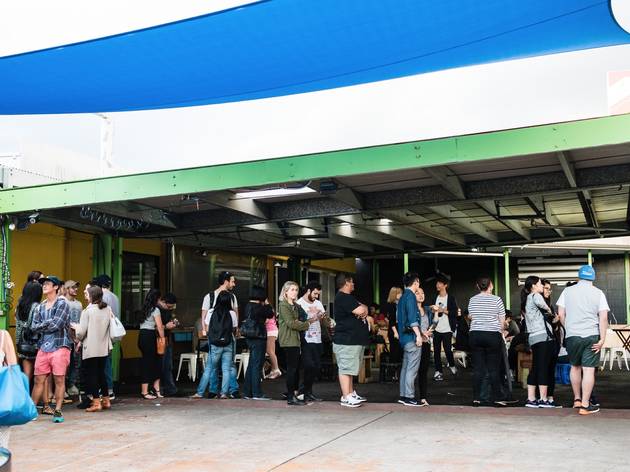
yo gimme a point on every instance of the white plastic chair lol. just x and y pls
(190, 358)
(243, 361)
(613, 348)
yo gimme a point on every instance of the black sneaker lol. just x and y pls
(410, 402)
(312, 398)
(546, 404)
(295, 402)
(401, 400)
(594, 401)
(234, 395)
(261, 398)
(284, 395)
(589, 410)
(85, 403)
(212, 395)
(532, 404)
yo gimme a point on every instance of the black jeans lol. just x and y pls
(543, 355)
(551, 387)
(96, 380)
(423, 371)
(292, 358)
(151, 364)
(486, 357)
(257, 348)
(312, 363)
(439, 340)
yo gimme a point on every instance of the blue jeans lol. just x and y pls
(409, 370)
(210, 376)
(257, 348)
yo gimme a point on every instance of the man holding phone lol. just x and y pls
(445, 321)
(312, 340)
(408, 321)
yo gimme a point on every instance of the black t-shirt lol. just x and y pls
(166, 315)
(349, 329)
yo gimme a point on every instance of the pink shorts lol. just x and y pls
(56, 362)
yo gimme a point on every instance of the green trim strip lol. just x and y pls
(443, 151)
(506, 259)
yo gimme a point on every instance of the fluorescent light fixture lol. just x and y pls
(275, 192)
(386, 221)
(463, 253)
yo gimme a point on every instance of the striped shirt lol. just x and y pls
(487, 313)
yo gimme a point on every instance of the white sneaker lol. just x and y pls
(453, 369)
(437, 376)
(358, 397)
(73, 390)
(350, 402)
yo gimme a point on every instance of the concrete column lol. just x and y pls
(376, 281)
(117, 262)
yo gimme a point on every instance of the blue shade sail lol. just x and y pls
(283, 47)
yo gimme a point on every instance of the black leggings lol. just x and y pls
(292, 357)
(486, 357)
(543, 365)
(425, 360)
(151, 365)
(95, 373)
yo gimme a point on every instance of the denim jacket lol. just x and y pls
(407, 316)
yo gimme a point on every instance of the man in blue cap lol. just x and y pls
(583, 310)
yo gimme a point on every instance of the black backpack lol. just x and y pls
(220, 329)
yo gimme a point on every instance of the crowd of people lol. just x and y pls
(65, 349)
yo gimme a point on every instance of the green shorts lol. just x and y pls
(348, 358)
(581, 352)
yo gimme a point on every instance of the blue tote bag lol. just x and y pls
(16, 406)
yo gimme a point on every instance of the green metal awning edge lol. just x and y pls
(393, 157)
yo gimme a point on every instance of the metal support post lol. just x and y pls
(5, 273)
(376, 282)
(590, 257)
(626, 273)
(117, 261)
(506, 259)
(405, 263)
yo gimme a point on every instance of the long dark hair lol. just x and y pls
(530, 281)
(150, 302)
(31, 293)
(224, 304)
(96, 296)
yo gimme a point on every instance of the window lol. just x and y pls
(139, 275)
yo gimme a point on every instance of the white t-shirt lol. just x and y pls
(443, 326)
(149, 323)
(314, 332)
(205, 305)
(232, 313)
(582, 303)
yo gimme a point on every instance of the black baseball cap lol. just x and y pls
(102, 280)
(50, 278)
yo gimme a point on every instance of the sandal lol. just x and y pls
(158, 394)
(577, 403)
(148, 396)
(47, 410)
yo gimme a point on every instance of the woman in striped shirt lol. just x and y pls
(488, 314)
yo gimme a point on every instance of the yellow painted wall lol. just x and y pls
(143, 246)
(336, 265)
(51, 249)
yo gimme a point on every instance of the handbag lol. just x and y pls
(116, 329)
(160, 344)
(27, 344)
(16, 406)
(250, 329)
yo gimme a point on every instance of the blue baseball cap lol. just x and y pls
(586, 272)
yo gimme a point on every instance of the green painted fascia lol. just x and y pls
(443, 151)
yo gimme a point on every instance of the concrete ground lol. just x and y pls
(180, 434)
